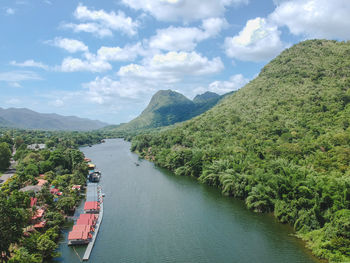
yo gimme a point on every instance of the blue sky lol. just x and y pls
(105, 59)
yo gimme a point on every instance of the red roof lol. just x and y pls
(40, 224)
(54, 191)
(41, 182)
(85, 228)
(33, 201)
(85, 221)
(81, 235)
(91, 205)
(38, 214)
(89, 216)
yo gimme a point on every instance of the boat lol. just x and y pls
(95, 176)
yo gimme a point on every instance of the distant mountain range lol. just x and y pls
(168, 107)
(27, 119)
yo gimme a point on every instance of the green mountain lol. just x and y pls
(168, 107)
(281, 143)
(28, 119)
(205, 97)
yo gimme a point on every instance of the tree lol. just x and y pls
(5, 156)
(23, 256)
(12, 221)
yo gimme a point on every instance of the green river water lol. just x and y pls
(151, 215)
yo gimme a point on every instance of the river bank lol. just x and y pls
(152, 215)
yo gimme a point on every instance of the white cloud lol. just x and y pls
(10, 11)
(315, 18)
(105, 21)
(30, 63)
(186, 38)
(172, 67)
(93, 28)
(183, 10)
(258, 41)
(221, 87)
(91, 64)
(70, 45)
(128, 53)
(105, 90)
(18, 76)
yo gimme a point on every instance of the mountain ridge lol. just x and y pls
(28, 119)
(168, 107)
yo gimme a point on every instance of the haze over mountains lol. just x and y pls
(168, 107)
(27, 119)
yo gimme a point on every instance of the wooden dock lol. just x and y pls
(92, 242)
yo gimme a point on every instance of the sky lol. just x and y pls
(105, 59)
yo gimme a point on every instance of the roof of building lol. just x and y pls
(38, 214)
(41, 224)
(81, 228)
(33, 201)
(89, 216)
(85, 221)
(81, 235)
(91, 205)
(41, 182)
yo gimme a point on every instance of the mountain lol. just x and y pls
(205, 97)
(168, 107)
(28, 119)
(281, 143)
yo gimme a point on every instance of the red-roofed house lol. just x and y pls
(41, 224)
(84, 228)
(78, 237)
(41, 182)
(91, 207)
(33, 201)
(92, 217)
(85, 221)
(38, 214)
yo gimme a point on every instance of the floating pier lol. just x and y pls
(92, 242)
(86, 229)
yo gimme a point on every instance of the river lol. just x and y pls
(151, 215)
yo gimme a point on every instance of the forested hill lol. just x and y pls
(281, 143)
(168, 107)
(28, 119)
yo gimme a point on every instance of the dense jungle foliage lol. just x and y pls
(281, 143)
(58, 166)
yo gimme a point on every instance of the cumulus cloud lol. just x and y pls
(18, 76)
(128, 53)
(105, 90)
(70, 45)
(234, 83)
(102, 23)
(92, 28)
(91, 63)
(30, 63)
(314, 18)
(183, 10)
(258, 41)
(172, 67)
(186, 38)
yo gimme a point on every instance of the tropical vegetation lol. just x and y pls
(281, 143)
